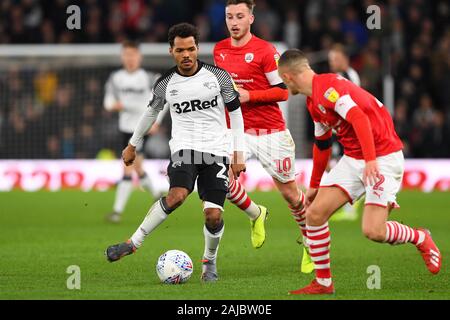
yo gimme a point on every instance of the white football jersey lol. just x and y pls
(197, 108)
(133, 90)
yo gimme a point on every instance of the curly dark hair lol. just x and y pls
(183, 30)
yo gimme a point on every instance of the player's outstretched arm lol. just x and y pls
(278, 90)
(237, 128)
(276, 93)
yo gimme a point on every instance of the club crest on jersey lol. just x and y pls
(331, 95)
(176, 164)
(210, 85)
(322, 109)
(276, 57)
(249, 57)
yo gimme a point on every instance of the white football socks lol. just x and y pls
(253, 211)
(154, 218)
(211, 243)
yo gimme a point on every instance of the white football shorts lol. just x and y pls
(275, 152)
(348, 176)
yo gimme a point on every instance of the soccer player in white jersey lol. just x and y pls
(197, 94)
(127, 92)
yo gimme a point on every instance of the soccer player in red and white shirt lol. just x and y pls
(252, 63)
(372, 164)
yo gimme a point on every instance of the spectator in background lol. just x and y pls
(202, 22)
(68, 143)
(424, 115)
(32, 15)
(402, 124)
(292, 30)
(93, 27)
(215, 10)
(132, 12)
(334, 29)
(53, 148)
(61, 111)
(47, 33)
(423, 119)
(267, 22)
(339, 62)
(14, 137)
(437, 141)
(397, 37)
(17, 32)
(313, 34)
(413, 23)
(91, 88)
(371, 72)
(45, 84)
(115, 22)
(352, 26)
(440, 70)
(146, 21)
(85, 142)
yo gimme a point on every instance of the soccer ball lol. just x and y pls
(174, 267)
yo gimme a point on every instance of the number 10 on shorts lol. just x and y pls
(283, 166)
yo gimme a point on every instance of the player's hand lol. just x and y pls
(311, 194)
(237, 169)
(154, 129)
(238, 164)
(371, 173)
(129, 154)
(118, 106)
(244, 95)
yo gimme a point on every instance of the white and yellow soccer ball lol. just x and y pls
(174, 267)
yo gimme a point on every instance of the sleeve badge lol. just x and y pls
(331, 95)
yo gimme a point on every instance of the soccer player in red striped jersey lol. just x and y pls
(372, 164)
(252, 63)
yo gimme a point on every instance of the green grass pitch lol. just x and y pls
(43, 233)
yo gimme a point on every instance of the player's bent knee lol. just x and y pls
(176, 197)
(213, 217)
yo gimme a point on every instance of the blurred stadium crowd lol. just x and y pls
(42, 116)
